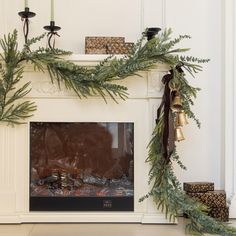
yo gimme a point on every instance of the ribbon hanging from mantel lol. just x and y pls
(168, 138)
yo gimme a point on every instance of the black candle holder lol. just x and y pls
(151, 32)
(52, 28)
(25, 15)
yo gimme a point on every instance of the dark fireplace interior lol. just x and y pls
(81, 166)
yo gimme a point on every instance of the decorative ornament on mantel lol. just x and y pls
(150, 33)
(52, 28)
(25, 15)
(166, 190)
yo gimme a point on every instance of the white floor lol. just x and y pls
(94, 229)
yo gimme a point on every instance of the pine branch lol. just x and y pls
(12, 109)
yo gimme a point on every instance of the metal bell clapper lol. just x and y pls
(179, 134)
(181, 119)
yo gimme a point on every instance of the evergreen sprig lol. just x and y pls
(12, 109)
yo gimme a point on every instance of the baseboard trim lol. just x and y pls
(156, 219)
(10, 219)
(84, 218)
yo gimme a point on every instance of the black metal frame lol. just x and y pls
(81, 203)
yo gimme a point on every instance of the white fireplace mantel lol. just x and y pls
(61, 105)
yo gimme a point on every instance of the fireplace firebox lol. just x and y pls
(81, 166)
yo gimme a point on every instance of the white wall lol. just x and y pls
(80, 18)
(202, 151)
(230, 103)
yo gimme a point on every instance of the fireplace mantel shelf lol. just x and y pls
(149, 85)
(87, 59)
(94, 59)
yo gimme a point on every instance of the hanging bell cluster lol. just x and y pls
(180, 116)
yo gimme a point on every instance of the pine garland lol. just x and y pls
(101, 81)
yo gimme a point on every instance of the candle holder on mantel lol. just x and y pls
(52, 28)
(25, 15)
(151, 32)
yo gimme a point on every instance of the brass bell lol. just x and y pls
(177, 103)
(179, 134)
(181, 119)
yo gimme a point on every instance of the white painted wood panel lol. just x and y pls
(203, 149)
(230, 103)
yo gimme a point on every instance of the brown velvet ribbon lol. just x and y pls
(165, 106)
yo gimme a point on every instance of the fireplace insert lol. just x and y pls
(81, 166)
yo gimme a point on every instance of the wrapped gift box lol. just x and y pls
(98, 45)
(220, 213)
(198, 187)
(95, 51)
(119, 48)
(212, 199)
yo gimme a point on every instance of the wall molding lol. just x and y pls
(230, 103)
(163, 14)
(154, 16)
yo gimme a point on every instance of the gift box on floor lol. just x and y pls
(98, 45)
(212, 199)
(198, 187)
(220, 213)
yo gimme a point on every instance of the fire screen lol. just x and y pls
(81, 166)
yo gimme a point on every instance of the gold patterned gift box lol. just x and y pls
(98, 45)
(212, 199)
(95, 51)
(220, 213)
(119, 48)
(198, 187)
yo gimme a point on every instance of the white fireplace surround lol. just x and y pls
(61, 105)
